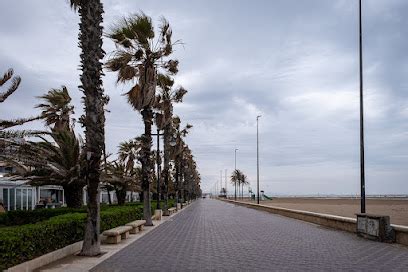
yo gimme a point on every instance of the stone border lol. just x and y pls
(47, 258)
(332, 221)
(401, 234)
(89, 262)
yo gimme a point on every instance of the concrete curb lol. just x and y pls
(332, 221)
(47, 258)
(70, 250)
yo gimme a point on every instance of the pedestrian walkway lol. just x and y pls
(219, 236)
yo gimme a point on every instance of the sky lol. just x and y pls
(293, 62)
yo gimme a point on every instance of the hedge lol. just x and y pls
(21, 217)
(19, 244)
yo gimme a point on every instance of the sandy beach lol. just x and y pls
(396, 208)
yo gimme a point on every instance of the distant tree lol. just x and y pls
(122, 179)
(178, 152)
(164, 121)
(237, 179)
(244, 181)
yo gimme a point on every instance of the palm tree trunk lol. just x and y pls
(235, 183)
(147, 164)
(166, 166)
(182, 184)
(121, 195)
(177, 180)
(90, 40)
(73, 195)
(109, 197)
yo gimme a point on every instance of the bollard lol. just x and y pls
(158, 214)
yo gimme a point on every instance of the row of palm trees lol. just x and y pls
(239, 180)
(143, 58)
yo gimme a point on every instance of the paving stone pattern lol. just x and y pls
(211, 235)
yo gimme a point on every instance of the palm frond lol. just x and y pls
(75, 4)
(136, 28)
(7, 75)
(18, 134)
(56, 108)
(171, 66)
(15, 82)
(17, 122)
(179, 94)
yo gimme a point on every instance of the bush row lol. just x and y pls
(22, 217)
(22, 243)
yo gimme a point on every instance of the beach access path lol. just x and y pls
(218, 236)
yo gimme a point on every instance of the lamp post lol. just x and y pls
(362, 163)
(257, 158)
(221, 190)
(158, 166)
(226, 192)
(235, 196)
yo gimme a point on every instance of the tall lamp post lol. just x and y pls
(362, 163)
(235, 167)
(257, 158)
(226, 192)
(158, 161)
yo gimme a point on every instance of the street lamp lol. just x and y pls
(257, 157)
(226, 192)
(362, 163)
(235, 197)
(158, 161)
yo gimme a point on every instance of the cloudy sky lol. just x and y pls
(293, 62)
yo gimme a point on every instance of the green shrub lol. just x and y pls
(22, 243)
(21, 217)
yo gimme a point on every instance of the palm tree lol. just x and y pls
(57, 163)
(190, 174)
(140, 56)
(53, 163)
(128, 155)
(244, 181)
(164, 119)
(56, 109)
(235, 180)
(122, 179)
(238, 178)
(177, 153)
(11, 139)
(90, 41)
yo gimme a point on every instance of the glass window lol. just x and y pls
(24, 198)
(18, 199)
(6, 198)
(30, 198)
(12, 199)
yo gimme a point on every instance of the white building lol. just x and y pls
(17, 195)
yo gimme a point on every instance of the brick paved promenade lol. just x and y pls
(218, 236)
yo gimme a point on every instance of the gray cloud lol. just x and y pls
(294, 62)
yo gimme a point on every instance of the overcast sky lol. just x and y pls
(293, 62)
